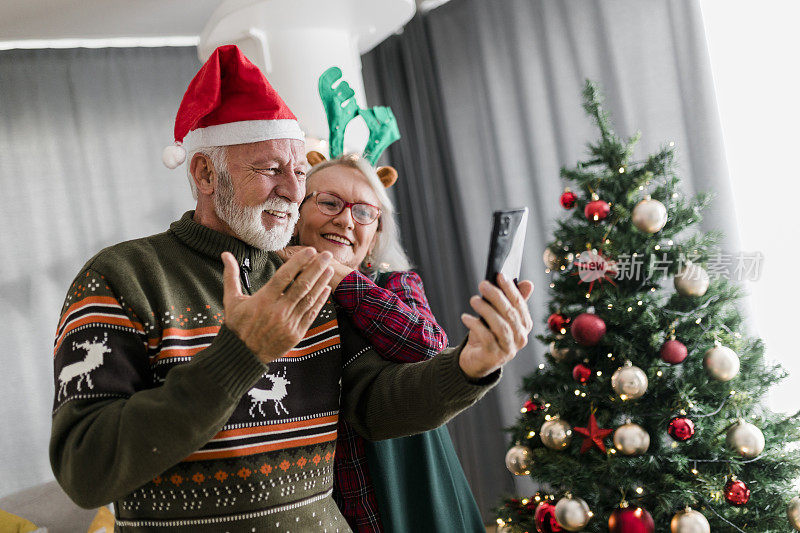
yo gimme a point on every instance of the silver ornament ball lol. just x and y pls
(793, 512)
(519, 460)
(559, 354)
(572, 513)
(692, 280)
(689, 521)
(556, 434)
(631, 439)
(721, 363)
(551, 260)
(649, 215)
(629, 382)
(745, 439)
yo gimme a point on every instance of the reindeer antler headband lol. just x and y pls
(341, 108)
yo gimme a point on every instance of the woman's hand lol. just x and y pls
(340, 271)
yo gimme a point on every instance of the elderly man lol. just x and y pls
(199, 380)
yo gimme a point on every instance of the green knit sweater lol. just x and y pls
(162, 410)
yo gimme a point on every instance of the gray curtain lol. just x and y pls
(488, 99)
(81, 134)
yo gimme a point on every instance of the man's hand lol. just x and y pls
(340, 271)
(274, 319)
(504, 309)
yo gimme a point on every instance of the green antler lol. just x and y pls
(340, 107)
(383, 131)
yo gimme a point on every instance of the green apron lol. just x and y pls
(420, 485)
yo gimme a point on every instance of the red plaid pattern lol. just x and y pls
(397, 321)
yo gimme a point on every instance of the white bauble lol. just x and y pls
(629, 382)
(519, 460)
(689, 521)
(559, 354)
(631, 439)
(793, 512)
(551, 260)
(721, 363)
(692, 280)
(649, 215)
(745, 439)
(556, 434)
(572, 513)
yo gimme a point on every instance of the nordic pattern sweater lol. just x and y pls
(162, 410)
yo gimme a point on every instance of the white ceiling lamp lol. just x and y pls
(294, 41)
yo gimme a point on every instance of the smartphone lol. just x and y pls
(505, 247)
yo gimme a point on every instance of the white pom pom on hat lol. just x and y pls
(173, 156)
(229, 101)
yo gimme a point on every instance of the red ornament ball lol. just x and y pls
(545, 518)
(568, 199)
(597, 210)
(631, 520)
(673, 352)
(587, 329)
(557, 323)
(736, 492)
(581, 373)
(681, 428)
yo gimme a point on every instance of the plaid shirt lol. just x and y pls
(398, 322)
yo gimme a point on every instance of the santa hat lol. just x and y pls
(229, 101)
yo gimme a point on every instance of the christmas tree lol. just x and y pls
(647, 414)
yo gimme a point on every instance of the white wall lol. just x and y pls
(754, 48)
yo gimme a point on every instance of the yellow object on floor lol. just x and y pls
(103, 521)
(11, 523)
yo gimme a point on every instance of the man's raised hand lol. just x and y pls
(504, 331)
(274, 319)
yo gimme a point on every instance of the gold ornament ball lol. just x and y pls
(692, 280)
(629, 382)
(631, 439)
(745, 439)
(559, 354)
(721, 363)
(649, 215)
(572, 513)
(689, 521)
(556, 434)
(551, 260)
(793, 512)
(519, 460)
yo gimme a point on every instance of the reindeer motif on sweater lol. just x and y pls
(82, 369)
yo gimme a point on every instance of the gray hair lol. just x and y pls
(218, 156)
(388, 254)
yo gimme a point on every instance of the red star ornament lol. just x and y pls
(593, 435)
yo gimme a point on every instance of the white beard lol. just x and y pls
(246, 222)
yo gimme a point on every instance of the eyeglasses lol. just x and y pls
(331, 205)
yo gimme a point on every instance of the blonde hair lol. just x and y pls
(388, 255)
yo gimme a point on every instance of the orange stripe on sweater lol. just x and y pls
(272, 428)
(96, 319)
(91, 300)
(260, 448)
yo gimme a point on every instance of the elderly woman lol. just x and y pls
(414, 483)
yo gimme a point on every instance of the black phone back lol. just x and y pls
(508, 241)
